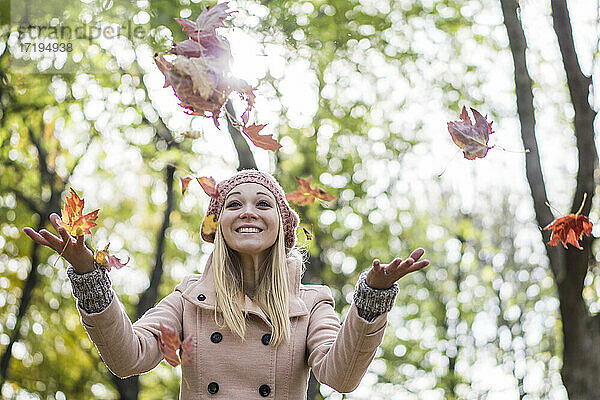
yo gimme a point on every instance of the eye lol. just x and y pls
(263, 203)
(233, 203)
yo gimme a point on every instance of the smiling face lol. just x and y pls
(249, 220)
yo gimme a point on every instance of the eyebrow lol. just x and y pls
(265, 194)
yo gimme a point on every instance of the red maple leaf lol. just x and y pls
(72, 218)
(570, 229)
(173, 349)
(471, 138)
(306, 194)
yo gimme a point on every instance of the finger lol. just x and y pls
(54, 218)
(79, 241)
(395, 262)
(406, 263)
(55, 242)
(36, 236)
(65, 236)
(418, 265)
(415, 255)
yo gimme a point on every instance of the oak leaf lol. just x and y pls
(72, 218)
(173, 349)
(306, 194)
(471, 138)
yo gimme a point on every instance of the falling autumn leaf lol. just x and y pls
(200, 74)
(471, 138)
(570, 229)
(209, 225)
(307, 195)
(107, 260)
(209, 185)
(184, 184)
(72, 218)
(263, 141)
(173, 349)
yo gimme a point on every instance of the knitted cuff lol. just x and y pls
(370, 302)
(92, 289)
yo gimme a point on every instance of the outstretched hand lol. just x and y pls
(72, 249)
(383, 276)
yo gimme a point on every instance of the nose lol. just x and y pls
(248, 214)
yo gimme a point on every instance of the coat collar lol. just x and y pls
(203, 293)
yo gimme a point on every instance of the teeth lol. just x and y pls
(248, 230)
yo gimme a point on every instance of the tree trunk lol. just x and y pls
(580, 342)
(129, 388)
(30, 283)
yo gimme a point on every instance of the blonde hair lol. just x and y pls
(271, 289)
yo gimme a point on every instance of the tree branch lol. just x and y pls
(579, 90)
(245, 156)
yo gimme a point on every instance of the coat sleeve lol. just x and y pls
(339, 355)
(130, 349)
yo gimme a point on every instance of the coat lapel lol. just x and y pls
(203, 292)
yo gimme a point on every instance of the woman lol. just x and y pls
(256, 329)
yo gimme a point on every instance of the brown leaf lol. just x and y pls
(471, 138)
(209, 185)
(170, 343)
(184, 184)
(306, 194)
(263, 141)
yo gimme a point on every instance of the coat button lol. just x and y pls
(266, 339)
(264, 390)
(201, 297)
(216, 337)
(213, 387)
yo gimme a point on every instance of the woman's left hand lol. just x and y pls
(383, 276)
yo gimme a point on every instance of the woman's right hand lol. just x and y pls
(75, 252)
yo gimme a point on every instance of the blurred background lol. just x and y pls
(358, 92)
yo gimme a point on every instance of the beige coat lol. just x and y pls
(223, 366)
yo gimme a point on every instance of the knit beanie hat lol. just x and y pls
(289, 218)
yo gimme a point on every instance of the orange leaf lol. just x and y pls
(184, 184)
(569, 229)
(209, 185)
(170, 344)
(306, 194)
(263, 141)
(72, 218)
(209, 225)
